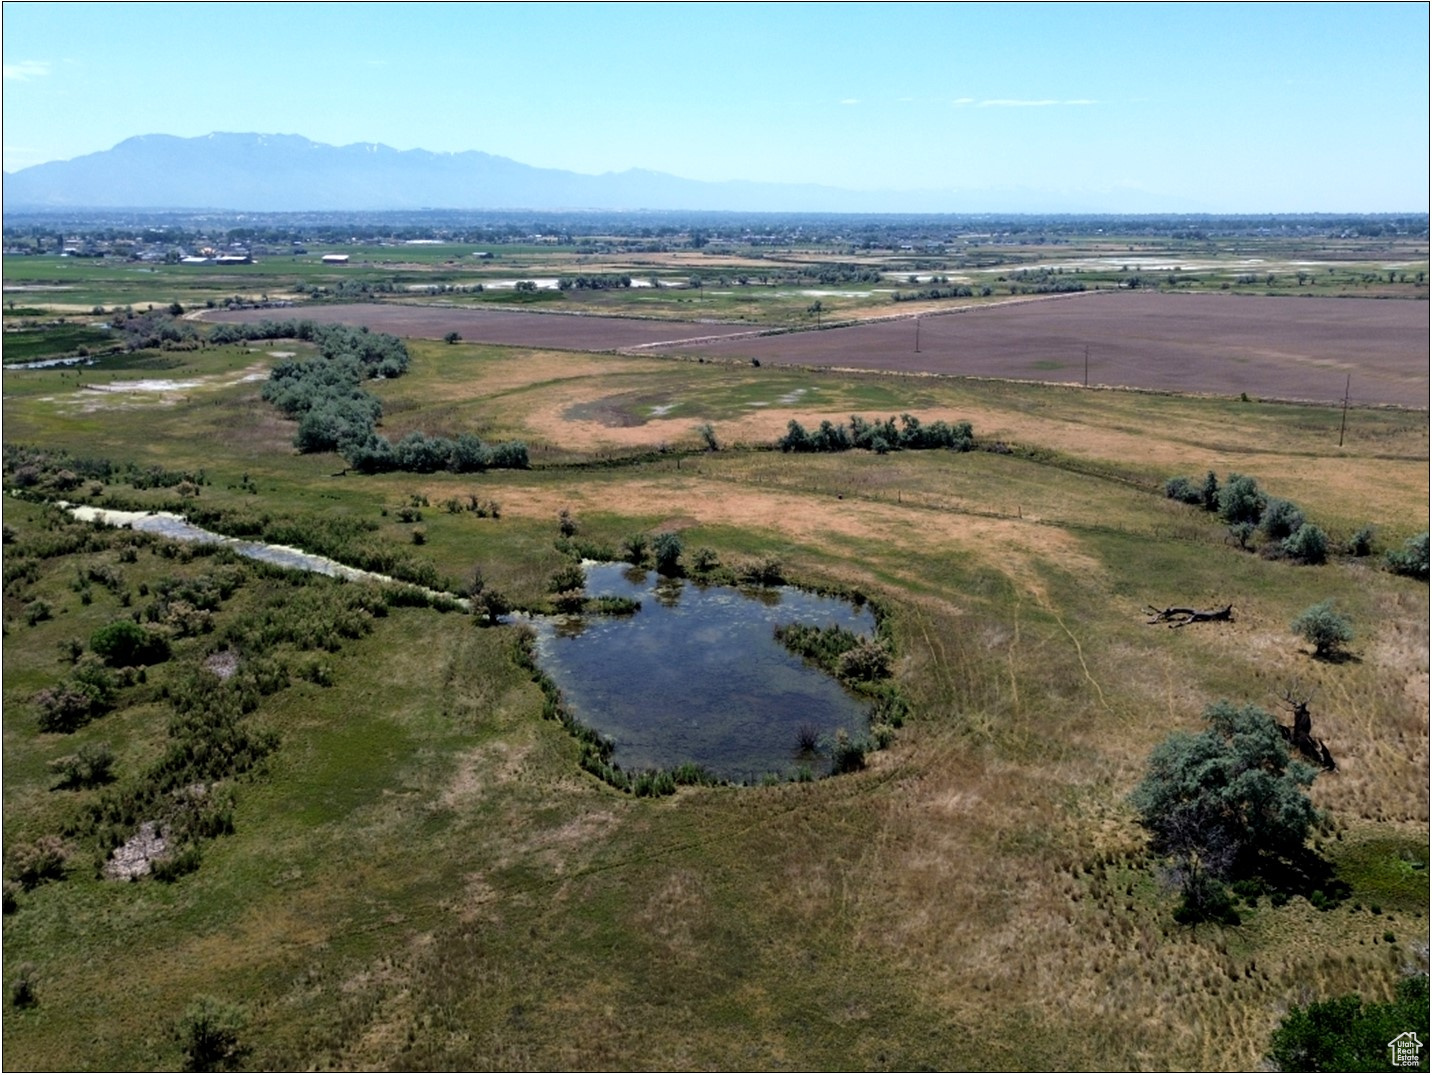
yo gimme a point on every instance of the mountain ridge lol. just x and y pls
(289, 172)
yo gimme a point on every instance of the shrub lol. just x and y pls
(704, 561)
(1281, 518)
(1360, 544)
(707, 433)
(22, 986)
(567, 578)
(124, 643)
(868, 660)
(1184, 490)
(667, 551)
(1308, 545)
(634, 549)
(41, 861)
(1240, 501)
(1411, 559)
(208, 1034)
(847, 754)
(566, 524)
(1323, 626)
(37, 612)
(91, 766)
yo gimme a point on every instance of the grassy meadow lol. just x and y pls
(420, 876)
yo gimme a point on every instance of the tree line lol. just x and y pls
(878, 436)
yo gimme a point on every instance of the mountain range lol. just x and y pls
(286, 172)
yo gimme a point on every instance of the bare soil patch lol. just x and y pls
(1272, 348)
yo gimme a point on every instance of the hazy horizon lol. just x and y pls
(1172, 108)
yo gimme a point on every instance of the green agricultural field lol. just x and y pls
(387, 858)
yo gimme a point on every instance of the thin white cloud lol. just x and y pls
(850, 101)
(960, 102)
(26, 70)
(1017, 102)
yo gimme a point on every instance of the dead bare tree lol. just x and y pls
(1179, 616)
(1300, 735)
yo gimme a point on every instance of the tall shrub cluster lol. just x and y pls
(878, 436)
(336, 413)
(1249, 511)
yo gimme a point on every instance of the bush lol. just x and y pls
(868, 660)
(208, 1034)
(1240, 501)
(1308, 545)
(1323, 626)
(707, 433)
(124, 643)
(38, 862)
(847, 754)
(91, 766)
(22, 986)
(1411, 559)
(704, 561)
(1281, 518)
(1360, 544)
(667, 551)
(567, 578)
(634, 549)
(1182, 489)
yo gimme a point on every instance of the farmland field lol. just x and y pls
(405, 864)
(1290, 349)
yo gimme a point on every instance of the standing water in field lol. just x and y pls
(697, 676)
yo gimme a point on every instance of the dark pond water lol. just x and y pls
(696, 675)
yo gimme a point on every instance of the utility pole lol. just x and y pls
(1086, 365)
(917, 334)
(1346, 393)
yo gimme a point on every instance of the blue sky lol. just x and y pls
(1226, 107)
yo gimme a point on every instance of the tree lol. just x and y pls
(1344, 1034)
(452, 337)
(1326, 628)
(1307, 544)
(1220, 801)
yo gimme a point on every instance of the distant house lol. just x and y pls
(193, 259)
(234, 259)
(335, 259)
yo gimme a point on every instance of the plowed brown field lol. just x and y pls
(1271, 348)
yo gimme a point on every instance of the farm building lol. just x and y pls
(335, 259)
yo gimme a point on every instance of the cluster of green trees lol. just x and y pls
(1249, 511)
(594, 282)
(878, 436)
(419, 453)
(955, 291)
(1346, 1034)
(336, 413)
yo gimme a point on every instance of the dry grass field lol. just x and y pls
(421, 876)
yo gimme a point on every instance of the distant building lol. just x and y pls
(234, 259)
(335, 259)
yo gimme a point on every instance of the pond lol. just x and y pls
(697, 676)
